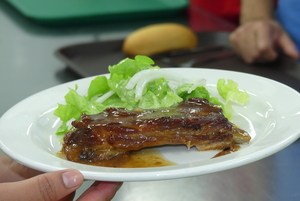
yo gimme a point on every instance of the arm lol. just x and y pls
(253, 10)
(259, 36)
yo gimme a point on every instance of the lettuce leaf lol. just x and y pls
(155, 91)
(230, 93)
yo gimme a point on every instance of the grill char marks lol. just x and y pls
(116, 131)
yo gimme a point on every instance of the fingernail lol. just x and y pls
(72, 178)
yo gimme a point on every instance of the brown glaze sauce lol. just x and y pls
(229, 150)
(144, 158)
(147, 158)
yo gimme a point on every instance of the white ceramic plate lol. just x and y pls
(272, 117)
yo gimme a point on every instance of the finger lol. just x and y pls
(45, 187)
(236, 40)
(288, 46)
(251, 52)
(243, 41)
(266, 43)
(13, 171)
(101, 191)
(245, 45)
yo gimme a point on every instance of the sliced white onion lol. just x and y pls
(150, 75)
(105, 96)
(196, 83)
(142, 78)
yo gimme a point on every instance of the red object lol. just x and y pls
(214, 15)
(226, 9)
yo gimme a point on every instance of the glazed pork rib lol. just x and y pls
(115, 131)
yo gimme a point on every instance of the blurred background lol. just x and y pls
(47, 43)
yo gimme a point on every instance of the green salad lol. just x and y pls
(137, 83)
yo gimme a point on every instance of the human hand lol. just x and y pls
(22, 183)
(259, 41)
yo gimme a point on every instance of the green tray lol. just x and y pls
(78, 11)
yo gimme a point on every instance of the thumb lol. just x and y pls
(51, 186)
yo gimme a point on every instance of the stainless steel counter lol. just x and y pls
(28, 65)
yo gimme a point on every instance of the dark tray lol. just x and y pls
(94, 58)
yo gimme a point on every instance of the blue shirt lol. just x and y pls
(288, 14)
